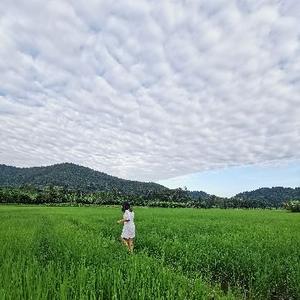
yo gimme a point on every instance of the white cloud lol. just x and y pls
(149, 90)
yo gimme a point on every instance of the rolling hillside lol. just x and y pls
(72, 176)
(274, 195)
(79, 178)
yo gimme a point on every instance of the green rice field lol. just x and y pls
(75, 253)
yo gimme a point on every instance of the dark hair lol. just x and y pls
(126, 206)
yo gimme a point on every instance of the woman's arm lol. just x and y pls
(126, 218)
(122, 221)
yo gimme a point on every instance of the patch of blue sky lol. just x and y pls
(232, 180)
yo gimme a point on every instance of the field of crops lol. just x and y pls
(74, 253)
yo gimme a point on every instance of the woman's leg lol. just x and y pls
(130, 244)
(126, 243)
(123, 241)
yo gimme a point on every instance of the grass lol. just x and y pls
(74, 253)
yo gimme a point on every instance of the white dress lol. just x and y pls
(128, 231)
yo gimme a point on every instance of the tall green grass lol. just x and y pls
(74, 253)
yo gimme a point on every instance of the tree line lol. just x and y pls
(58, 195)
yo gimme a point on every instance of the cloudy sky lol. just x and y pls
(150, 90)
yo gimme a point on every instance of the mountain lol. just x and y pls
(79, 178)
(72, 176)
(199, 195)
(274, 195)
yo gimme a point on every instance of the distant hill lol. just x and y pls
(72, 176)
(274, 195)
(79, 178)
(199, 195)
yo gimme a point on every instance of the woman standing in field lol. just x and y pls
(128, 232)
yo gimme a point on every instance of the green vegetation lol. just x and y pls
(293, 205)
(74, 253)
(276, 195)
(73, 177)
(73, 184)
(56, 195)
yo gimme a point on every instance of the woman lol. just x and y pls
(128, 232)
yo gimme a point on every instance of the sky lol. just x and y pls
(153, 90)
(228, 182)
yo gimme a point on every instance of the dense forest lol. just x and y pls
(276, 195)
(73, 177)
(75, 185)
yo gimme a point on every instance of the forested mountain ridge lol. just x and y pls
(196, 195)
(73, 177)
(276, 195)
(69, 182)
